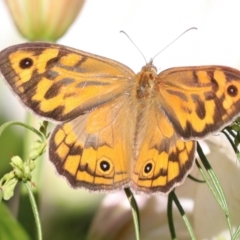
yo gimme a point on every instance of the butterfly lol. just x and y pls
(116, 128)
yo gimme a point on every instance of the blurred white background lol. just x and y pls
(151, 24)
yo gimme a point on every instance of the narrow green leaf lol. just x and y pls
(184, 216)
(10, 229)
(236, 235)
(226, 133)
(213, 184)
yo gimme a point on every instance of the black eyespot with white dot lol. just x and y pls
(148, 168)
(104, 165)
(232, 91)
(26, 63)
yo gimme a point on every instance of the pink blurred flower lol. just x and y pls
(113, 221)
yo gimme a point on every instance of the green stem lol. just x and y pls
(35, 211)
(5, 125)
(170, 217)
(195, 179)
(135, 212)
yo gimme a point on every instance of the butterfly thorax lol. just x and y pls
(146, 81)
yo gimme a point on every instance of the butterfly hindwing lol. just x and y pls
(163, 159)
(94, 149)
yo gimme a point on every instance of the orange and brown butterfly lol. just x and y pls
(117, 128)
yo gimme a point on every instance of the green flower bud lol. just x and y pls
(16, 162)
(45, 20)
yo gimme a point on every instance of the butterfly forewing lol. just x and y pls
(199, 100)
(61, 83)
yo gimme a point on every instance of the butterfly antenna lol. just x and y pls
(192, 28)
(134, 44)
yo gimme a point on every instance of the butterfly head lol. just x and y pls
(149, 67)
